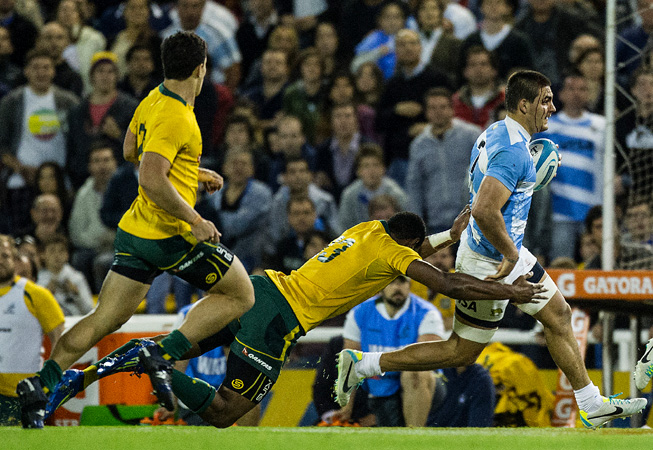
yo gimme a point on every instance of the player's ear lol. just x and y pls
(523, 106)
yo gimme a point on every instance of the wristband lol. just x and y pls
(197, 220)
(440, 238)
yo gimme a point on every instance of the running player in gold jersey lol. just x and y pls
(351, 269)
(160, 232)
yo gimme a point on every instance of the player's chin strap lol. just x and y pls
(439, 238)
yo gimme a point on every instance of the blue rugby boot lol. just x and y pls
(72, 382)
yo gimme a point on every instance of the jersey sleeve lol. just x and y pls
(42, 305)
(398, 256)
(506, 166)
(166, 136)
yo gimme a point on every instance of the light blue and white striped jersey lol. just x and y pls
(502, 152)
(579, 183)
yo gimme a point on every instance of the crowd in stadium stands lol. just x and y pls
(320, 114)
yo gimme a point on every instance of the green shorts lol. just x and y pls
(265, 335)
(202, 264)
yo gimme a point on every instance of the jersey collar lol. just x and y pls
(513, 126)
(167, 92)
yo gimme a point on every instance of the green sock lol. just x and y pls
(120, 350)
(195, 393)
(175, 344)
(50, 374)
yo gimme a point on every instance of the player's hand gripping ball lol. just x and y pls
(546, 158)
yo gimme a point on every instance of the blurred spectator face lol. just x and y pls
(261, 9)
(297, 176)
(499, 9)
(371, 171)
(47, 210)
(638, 222)
(366, 81)
(643, 89)
(7, 6)
(237, 135)
(274, 66)
(301, 216)
(311, 69)
(429, 15)
(314, 245)
(588, 248)
(40, 73)
(575, 93)
(408, 48)
(55, 38)
(382, 207)
(47, 181)
(291, 137)
(239, 167)
(581, 44)
(6, 48)
(344, 121)
(542, 6)
(342, 91)
(141, 63)
(55, 256)
(68, 13)
(7, 261)
(284, 39)
(104, 77)
(596, 231)
(326, 39)
(479, 71)
(190, 13)
(24, 268)
(391, 19)
(439, 111)
(137, 13)
(592, 65)
(397, 292)
(102, 164)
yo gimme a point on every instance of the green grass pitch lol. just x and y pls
(244, 438)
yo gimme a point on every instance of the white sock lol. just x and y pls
(588, 398)
(369, 365)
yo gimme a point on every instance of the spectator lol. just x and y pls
(379, 45)
(512, 48)
(469, 398)
(578, 184)
(46, 218)
(119, 195)
(633, 42)
(139, 79)
(439, 48)
(638, 229)
(357, 19)
(91, 239)
(55, 39)
(297, 179)
(268, 96)
(241, 135)
(401, 114)
(51, 179)
(221, 41)
(392, 320)
(85, 41)
(292, 144)
(327, 45)
(302, 218)
(9, 72)
(480, 98)
(438, 163)
(33, 128)
(254, 32)
(382, 207)
(21, 31)
(580, 45)
(137, 32)
(336, 157)
(304, 97)
(112, 19)
(243, 205)
(369, 84)
(591, 64)
(105, 112)
(461, 18)
(67, 285)
(371, 183)
(283, 38)
(553, 28)
(30, 312)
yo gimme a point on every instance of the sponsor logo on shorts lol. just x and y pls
(256, 359)
(211, 278)
(496, 312)
(237, 383)
(226, 254)
(264, 392)
(187, 264)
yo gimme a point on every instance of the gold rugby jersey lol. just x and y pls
(165, 124)
(351, 269)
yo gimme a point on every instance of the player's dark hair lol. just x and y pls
(524, 84)
(181, 53)
(407, 225)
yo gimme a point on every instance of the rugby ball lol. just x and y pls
(546, 158)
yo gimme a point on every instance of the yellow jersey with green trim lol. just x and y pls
(27, 312)
(352, 268)
(166, 125)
